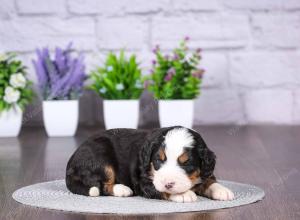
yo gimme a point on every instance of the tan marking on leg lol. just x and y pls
(201, 188)
(165, 195)
(110, 180)
(195, 176)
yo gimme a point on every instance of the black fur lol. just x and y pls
(130, 152)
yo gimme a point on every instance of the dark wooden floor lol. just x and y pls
(267, 156)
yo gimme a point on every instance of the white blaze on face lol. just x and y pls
(170, 172)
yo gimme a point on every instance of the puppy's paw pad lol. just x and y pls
(219, 192)
(121, 190)
(94, 191)
(188, 196)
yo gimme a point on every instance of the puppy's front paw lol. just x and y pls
(218, 192)
(188, 196)
(121, 190)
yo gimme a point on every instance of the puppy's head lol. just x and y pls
(177, 160)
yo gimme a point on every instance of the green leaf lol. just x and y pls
(117, 70)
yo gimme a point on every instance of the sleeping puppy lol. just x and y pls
(171, 163)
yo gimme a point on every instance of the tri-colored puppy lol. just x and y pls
(169, 163)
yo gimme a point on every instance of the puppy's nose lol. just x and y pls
(170, 185)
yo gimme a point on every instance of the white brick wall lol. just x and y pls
(251, 48)
(263, 69)
(276, 30)
(296, 109)
(219, 106)
(269, 106)
(116, 33)
(25, 34)
(207, 31)
(40, 6)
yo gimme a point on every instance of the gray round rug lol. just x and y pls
(54, 195)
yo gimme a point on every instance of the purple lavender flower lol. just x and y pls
(61, 77)
(187, 38)
(153, 62)
(39, 66)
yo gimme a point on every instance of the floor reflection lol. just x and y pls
(58, 151)
(9, 165)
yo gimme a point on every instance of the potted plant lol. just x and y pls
(15, 94)
(119, 83)
(175, 81)
(60, 80)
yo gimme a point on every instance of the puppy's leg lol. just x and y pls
(121, 190)
(211, 189)
(111, 188)
(188, 196)
(219, 192)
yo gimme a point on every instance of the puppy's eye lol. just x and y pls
(157, 160)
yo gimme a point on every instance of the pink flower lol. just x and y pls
(171, 72)
(176, 57)
(168, 77)
(156, 49)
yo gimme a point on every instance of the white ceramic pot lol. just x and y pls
(121, 113)
(176, 112)
(11, 122)
(60, 117)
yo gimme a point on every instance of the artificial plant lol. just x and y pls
(118, 78)
(15, 87)
(60, 77)
(176, 75)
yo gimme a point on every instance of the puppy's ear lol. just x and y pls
(154, 139)
(145, 156)
(208, 162)
(206, 156)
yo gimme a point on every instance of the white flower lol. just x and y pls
(120, 86)
(138, 84)
(11, 95)
(17, 80)
(2, 56)
(102, 90)
(109, 68)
